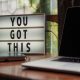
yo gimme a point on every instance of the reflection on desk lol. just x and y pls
(14, 71)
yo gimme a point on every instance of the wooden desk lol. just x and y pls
(14, 71)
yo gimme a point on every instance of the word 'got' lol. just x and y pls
(17, 34)
(19, 21)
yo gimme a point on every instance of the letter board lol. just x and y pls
(22, 34)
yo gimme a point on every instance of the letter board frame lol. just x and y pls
(22, 34)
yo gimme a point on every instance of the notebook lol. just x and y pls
(69, 53)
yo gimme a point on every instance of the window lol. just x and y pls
(49, 7)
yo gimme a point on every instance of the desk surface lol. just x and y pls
(14, 70)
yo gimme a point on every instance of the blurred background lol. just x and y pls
(49, 7)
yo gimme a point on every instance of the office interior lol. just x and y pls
(55, 11)
(54, 8)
